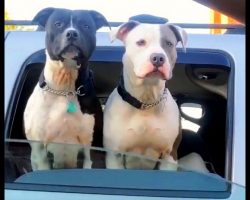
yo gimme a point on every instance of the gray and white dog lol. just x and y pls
(63, 107)
(140, 115)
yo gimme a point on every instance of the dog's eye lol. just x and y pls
(86, 26)
(169, 44)
(58, 24)
(141, 42)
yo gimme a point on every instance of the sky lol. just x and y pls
(176, 11)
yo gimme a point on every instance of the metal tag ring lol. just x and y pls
(78, 91)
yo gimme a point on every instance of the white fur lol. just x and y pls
(148, 132)
(194, 162)
(140, 56)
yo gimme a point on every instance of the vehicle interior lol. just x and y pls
(201, 78)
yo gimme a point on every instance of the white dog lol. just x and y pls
(140, 115)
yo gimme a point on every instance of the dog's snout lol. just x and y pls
(72, 34)
(157, 59)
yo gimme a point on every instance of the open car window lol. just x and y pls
(192, 68)
(181, 183)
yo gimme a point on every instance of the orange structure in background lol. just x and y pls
(218, 18)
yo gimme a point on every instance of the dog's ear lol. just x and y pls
(122, 31)
(180, 34)
(99, 19)
(42, 16)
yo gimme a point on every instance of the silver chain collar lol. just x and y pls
(64, 93)
(146, 106)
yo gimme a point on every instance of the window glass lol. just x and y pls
(185, 180)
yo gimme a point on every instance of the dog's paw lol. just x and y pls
(39, 165)
(193, 162)
(39, 159)
(114, 162)
(168, 163)
(87, 164)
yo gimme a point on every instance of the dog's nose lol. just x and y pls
(157, 59)
(71, 35)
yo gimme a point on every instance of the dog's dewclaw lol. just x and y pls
(71, 107)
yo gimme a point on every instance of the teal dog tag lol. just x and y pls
(71, 107)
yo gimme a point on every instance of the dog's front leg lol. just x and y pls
(39, 159)
(168, 163)
(87, 164)
(114, 161)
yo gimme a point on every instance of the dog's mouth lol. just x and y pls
(155, 74)
(70, 52)
(149, 71)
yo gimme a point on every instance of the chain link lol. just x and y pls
(64, 93)
(146, 106)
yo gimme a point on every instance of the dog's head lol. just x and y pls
(150, 49)
(70, 34)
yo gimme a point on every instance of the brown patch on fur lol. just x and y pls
(64, 76)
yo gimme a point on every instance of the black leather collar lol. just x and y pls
(132, 100)
(126, 96)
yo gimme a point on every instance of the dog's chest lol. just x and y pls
(139, 131)
(146, 131)
(48, 118)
